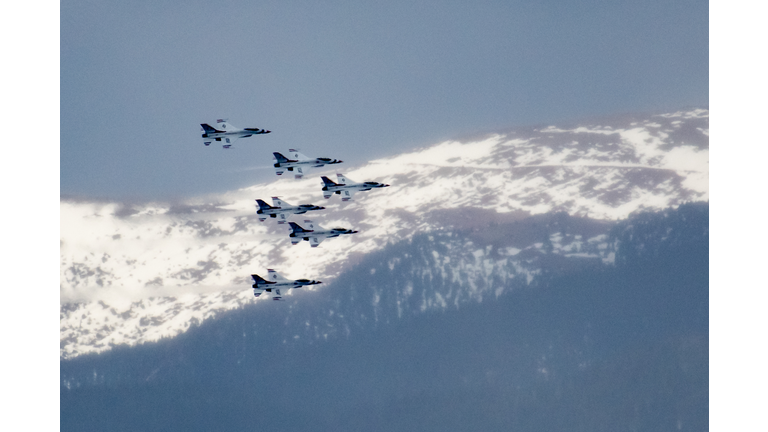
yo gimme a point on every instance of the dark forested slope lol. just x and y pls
(597, 348)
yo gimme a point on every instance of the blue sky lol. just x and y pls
(350, 80)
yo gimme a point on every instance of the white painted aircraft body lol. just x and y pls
(274, 283)
(297, 162)
(281, 209)
(314, 233)
(227, 134)
(346, 187)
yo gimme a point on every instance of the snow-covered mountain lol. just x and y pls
(135, 273)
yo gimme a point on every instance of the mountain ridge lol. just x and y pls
(625, 340)
(127, 267)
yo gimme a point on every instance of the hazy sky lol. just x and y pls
(347, 79)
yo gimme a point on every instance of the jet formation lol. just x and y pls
(295, 162)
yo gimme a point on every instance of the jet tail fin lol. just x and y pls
(280, 158)
(208, 128)
(296, 228)
(258, 279)
(263, 205)
(328, 182)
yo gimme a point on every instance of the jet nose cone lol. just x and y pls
(266, 132)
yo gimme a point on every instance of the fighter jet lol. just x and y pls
(346, 187)
(227, 134)
(274, 282)
(298, 161)
(314, 233)
(281, 209)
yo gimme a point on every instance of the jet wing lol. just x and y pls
(282, 218)
(227, 142)
(346, 194)
(298, 155)
(299, 173)
(315, 241)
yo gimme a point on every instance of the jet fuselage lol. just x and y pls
(277, 282)
(314, 234)
(317, 162)
(281, 209)
(328, 233)
(347, 188)
(299, 209)
(285, 284)
(355, 186)
(226, 133)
